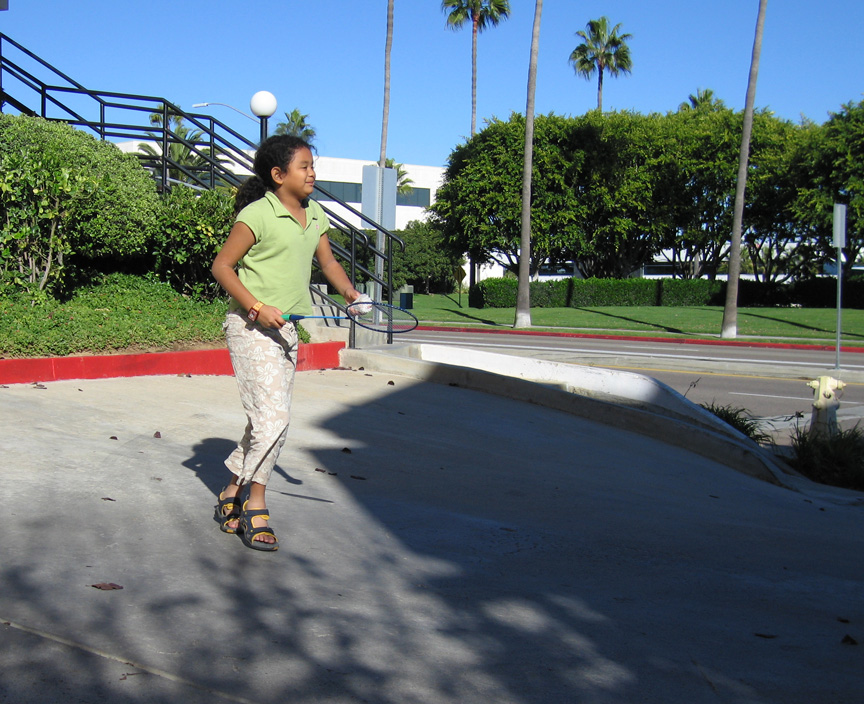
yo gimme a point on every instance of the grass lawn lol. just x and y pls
(807, 325)
(126, 313)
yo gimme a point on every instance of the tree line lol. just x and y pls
(612, 192)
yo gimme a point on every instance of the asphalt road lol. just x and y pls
(770, 383)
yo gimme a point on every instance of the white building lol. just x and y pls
(344, 177)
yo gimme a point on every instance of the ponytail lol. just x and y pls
(251, 190)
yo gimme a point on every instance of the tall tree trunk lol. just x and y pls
(523, 296)
(600, 89)
(474, 31)
(729, 327)
(384, 122)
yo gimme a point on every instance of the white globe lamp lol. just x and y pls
(263, 105)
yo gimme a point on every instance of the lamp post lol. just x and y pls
(263, 104)
(225, 105)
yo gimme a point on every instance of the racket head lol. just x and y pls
(381, 317)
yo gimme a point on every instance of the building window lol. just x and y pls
(418, 197)
(347, 192)
(353, 193)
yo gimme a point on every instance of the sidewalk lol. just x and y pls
(438, 545)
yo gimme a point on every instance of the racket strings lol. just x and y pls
(382, 317)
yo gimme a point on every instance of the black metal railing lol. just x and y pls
(182, 148)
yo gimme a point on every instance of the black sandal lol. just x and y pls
(232, 506)
(248, 532)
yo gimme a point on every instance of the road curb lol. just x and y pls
(640, 338)
(321, 355)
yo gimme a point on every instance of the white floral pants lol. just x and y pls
(264, 362)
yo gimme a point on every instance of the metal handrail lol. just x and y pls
(214, 143)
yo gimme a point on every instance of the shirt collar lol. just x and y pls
(280, 211)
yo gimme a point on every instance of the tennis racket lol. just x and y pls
(380, 317)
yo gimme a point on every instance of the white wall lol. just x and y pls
(329, 168)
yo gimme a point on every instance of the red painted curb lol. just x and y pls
(323, 355)
(638, 338)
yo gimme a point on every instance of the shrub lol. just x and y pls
(584, 293)
(691, 292)
(837, 460)
(494, 293)
(191, 227)
(117, 312)
(740, 419)
(822, 292)
(551, 294)
(816, 293)
(110, 212)
(613, 292)
(575, 293)
(35, 235)
(427, 262)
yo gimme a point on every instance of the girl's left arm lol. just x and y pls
(334, 272)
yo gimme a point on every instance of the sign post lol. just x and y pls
(839, 242)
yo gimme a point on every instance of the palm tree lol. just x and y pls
(703, 100)
(523, 295)
(388, 44)
(182, 160)
(295, 125)
(404, 183)
(729, 327)
(481, 14)
(602, 50)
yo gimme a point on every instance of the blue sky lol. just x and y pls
(326, 57)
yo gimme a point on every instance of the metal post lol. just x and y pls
(839, 242)
(165, 147)
(263, 105)
(839, 304)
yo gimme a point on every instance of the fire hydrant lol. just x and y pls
(823, 421)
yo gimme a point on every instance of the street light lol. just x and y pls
(263, 104)
(226, 105)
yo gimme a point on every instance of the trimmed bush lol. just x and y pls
(691, 292)
(192, 226)
(822, 293)
(613, 292)
(494, 293)
(590, 293)
(115, 218)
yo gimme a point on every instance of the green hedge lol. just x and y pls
(114, 216)
(691, 292)
(585, 293)
(192, 226)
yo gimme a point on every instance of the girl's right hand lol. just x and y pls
(270, 317)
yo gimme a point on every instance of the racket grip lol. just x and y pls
(292, 317)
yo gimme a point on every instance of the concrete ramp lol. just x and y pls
(631, 401)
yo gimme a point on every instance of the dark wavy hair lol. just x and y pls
(276, 151)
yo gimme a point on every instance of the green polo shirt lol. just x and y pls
(278, 267)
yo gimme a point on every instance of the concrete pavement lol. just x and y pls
(451, 542)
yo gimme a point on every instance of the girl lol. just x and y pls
(265, 266)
